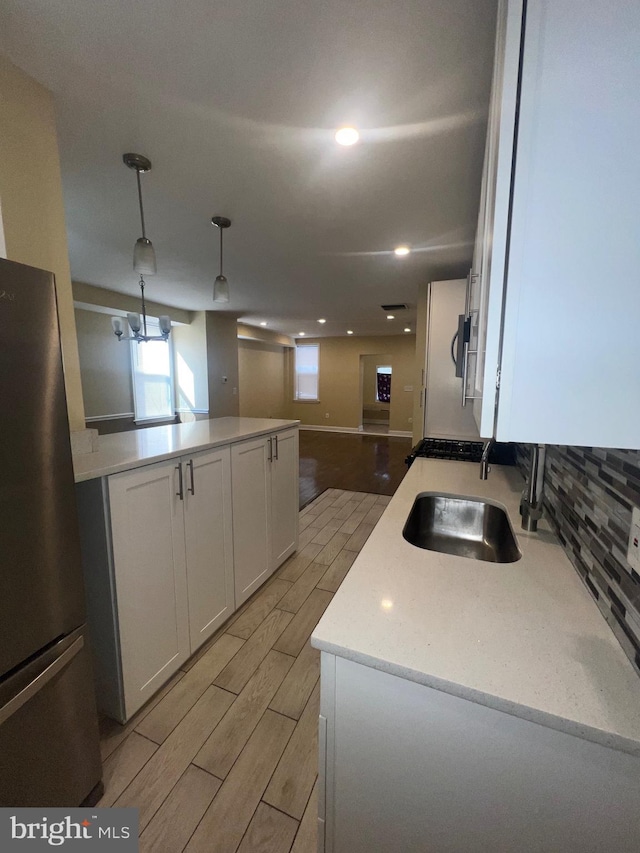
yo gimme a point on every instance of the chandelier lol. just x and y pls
(144, 262)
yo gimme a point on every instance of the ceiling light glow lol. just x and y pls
(347, 136)
(391, 316)
(407, 329)
(349, 332)
(263, 323)
(322, 321)
(401, 250)
(301, 334)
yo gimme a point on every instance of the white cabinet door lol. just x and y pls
(560, 248)
(571, 346)
(487, 290)
(209, 541)
(147, 532)
(251, 515)
(284, 496)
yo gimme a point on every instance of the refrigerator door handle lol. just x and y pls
(47, 674)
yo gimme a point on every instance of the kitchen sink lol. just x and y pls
(466, 527)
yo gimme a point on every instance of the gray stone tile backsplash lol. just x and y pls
(589, 493)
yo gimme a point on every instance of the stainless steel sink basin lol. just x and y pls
(466, 527)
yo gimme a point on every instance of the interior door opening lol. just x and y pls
(376, 374)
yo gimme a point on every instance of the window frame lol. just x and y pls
(153, 328)
(307, 345)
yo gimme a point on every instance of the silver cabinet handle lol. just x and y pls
(270, 449)
(40, 681)
(276, 438)
(465, 370)
(180, 492)
(191, 488)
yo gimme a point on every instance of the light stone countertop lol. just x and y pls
(125, 450)
(525, 638)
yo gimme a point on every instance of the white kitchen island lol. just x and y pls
(473, 706)
(179, 526)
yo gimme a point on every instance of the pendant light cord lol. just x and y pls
(144, 234)
(221, 270)
(144, 307)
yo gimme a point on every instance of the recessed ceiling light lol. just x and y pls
(322, 321)
(349, 332)
(407, 330)
(401, 250)
(391, 316)
(301, 334)
(263, 323)
(347, 136)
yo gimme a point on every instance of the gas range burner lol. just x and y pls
(460, 451)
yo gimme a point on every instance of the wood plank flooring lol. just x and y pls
(224, 758)
(366, 463)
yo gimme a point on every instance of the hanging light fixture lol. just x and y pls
(221, 285)
(144, 262)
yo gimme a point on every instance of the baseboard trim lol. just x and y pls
(402, 433)
(328, 428)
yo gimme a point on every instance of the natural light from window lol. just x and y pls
(306, 371)
(152, 378)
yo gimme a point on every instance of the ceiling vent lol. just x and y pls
(400, 307)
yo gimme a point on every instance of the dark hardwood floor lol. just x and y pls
(355, 462)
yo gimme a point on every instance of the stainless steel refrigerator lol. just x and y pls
(444, 415)
(49, 746)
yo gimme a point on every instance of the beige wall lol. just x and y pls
(222, 361)
(262, 380)
(105, 367)
(257, 333)
(87, 296)
(32, 204)
(340, 395)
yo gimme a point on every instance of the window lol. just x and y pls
(383, 383)
(306, 372)
(152, 378)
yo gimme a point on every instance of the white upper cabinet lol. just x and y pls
(560, 278)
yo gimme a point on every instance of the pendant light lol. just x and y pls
(144, 262)
(221, 285)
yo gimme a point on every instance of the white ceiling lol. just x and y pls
(236, 103)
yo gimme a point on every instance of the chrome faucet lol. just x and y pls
(531, 505)
(484, 459)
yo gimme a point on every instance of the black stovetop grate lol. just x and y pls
(448, 448)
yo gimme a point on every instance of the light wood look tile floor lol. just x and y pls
(224, 757)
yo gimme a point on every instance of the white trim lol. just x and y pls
(110, 417)
(403, 433)
(193, 411)
(329, 429)
(157, 420)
